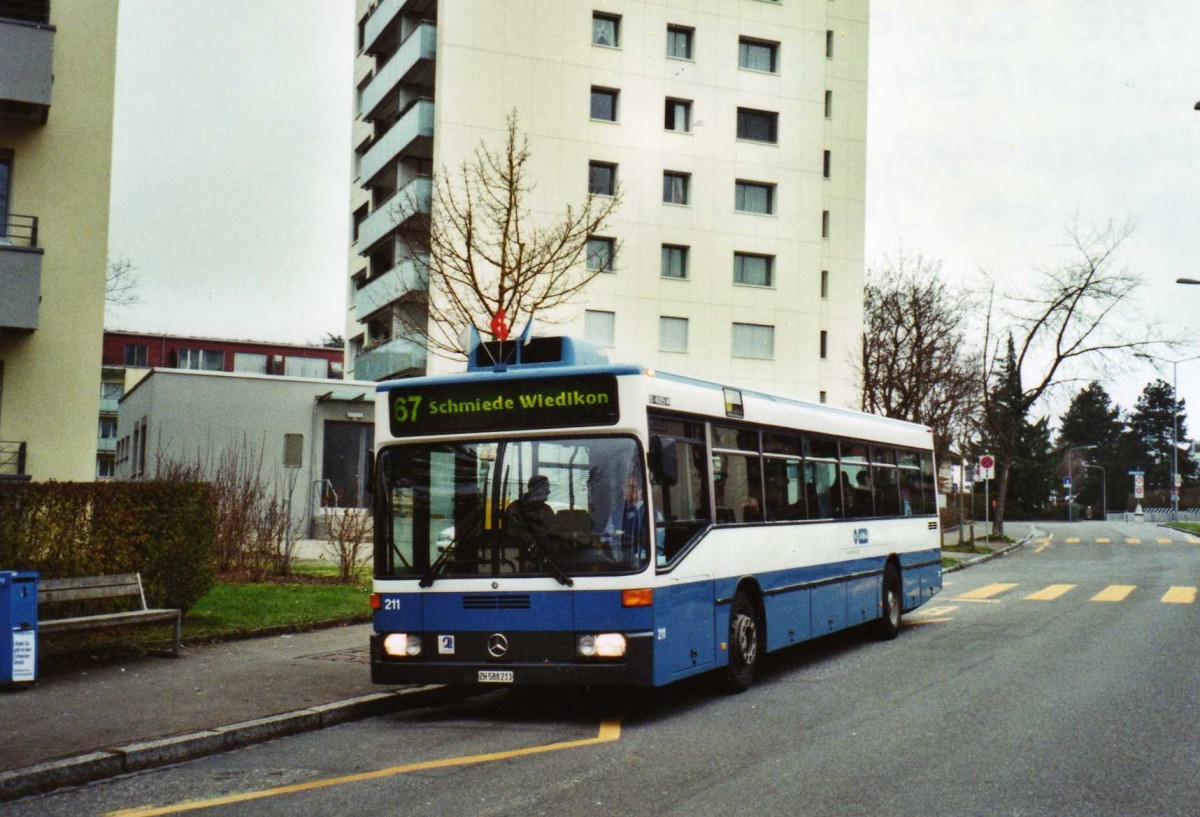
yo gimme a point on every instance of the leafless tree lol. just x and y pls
(120, 284)
(484, 253)
(1079, 315)
(916, 364)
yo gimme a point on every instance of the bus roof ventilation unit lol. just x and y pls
(534, 353)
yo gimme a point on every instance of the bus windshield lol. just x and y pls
(532, 507)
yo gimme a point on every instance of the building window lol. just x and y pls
(757, 126)
(758, 55)
(200, 359)
(829, 104)
(675, 187)
(752, 269)
(606, 29)
(249, 363)
(827, 163)
(824, 224)
(823, 396)
(679, 42)
(599, 327)
(317, 367)
(108, 428)
(828, 45)
(824, 345)
(6, 158)
(137, 355)
(604, 104)
(672, 334)
(111, 391)
(753, 197)
(824, 283)
(753, 340)
(602, 179)
(600, 254)
(674, 261)
(360, 215)
(105, 468)
(678, 115)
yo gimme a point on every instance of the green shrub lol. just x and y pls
(164, 530)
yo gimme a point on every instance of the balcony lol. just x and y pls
(398, 356)
(414, 197)
(406, 277)
(411, 64)
(12, 461)
(26, 57)
(385, 19)
(109, 405)
(20, 273)
(412, 135)
(106, 445)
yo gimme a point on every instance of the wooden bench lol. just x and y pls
(125, 585)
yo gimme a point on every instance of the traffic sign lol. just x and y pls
(987, 467)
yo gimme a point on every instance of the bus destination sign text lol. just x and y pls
(545, 402)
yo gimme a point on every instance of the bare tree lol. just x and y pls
(120, 283)
(1079, 315)
(916, 364)
(487, 261)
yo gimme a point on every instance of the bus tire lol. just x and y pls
(745, 643)
(891, 605)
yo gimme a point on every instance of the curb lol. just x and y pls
(987, 557)
(133, 757)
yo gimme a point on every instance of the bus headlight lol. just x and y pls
(399, 645)
(603, 645)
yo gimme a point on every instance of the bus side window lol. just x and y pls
(682, 504)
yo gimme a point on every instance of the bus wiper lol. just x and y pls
(438, 565)
(548, 564)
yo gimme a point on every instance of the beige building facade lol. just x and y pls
(55, 159)
(735, 130)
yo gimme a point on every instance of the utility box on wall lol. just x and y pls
(18, 626)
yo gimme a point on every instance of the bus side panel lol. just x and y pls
(922, 574)
(683, 630)
(862, 599)
(788, 618)
(828, 607)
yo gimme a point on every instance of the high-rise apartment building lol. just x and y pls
(57, 69)
(734, 129)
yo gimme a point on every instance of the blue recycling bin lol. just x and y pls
(18, 627)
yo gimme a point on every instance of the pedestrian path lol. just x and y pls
(1110, 593)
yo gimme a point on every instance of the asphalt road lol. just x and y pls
(1059, 680)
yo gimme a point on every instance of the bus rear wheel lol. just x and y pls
(745, 643)
(891, 605)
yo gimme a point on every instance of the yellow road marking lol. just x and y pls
(1133, 541)
(1042, 547)
(934, 611)
(984, 592)
(1193, 541)
(1103, 541)
(1044, 541)
(1050, 593)
(1114, 592)
(1163, 541)
(1074, 540)
(915, 622)
(609, 731)
(1180, 595)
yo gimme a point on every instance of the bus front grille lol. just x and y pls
(496, 601)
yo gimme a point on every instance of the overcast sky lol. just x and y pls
(992, 125)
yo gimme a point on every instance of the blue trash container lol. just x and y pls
(18, 627)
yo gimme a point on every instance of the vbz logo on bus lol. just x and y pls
(860, 536)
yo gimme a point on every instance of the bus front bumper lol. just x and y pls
(636, 668)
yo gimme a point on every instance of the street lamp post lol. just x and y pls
(1071, 493)
(1174, 419)
(1103, 490)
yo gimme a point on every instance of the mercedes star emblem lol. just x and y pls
(497, 645)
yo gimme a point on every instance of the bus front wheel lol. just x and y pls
(891, 605)
(745, 643)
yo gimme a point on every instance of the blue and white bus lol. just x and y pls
(557, 519)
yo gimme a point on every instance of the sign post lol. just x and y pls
(1139, 492)
(987, 470)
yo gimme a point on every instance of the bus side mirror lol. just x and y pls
(664, 460)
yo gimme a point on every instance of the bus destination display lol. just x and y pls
(544, 402)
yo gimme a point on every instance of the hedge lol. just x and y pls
(164, 530)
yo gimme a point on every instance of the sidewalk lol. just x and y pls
(105, 720)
